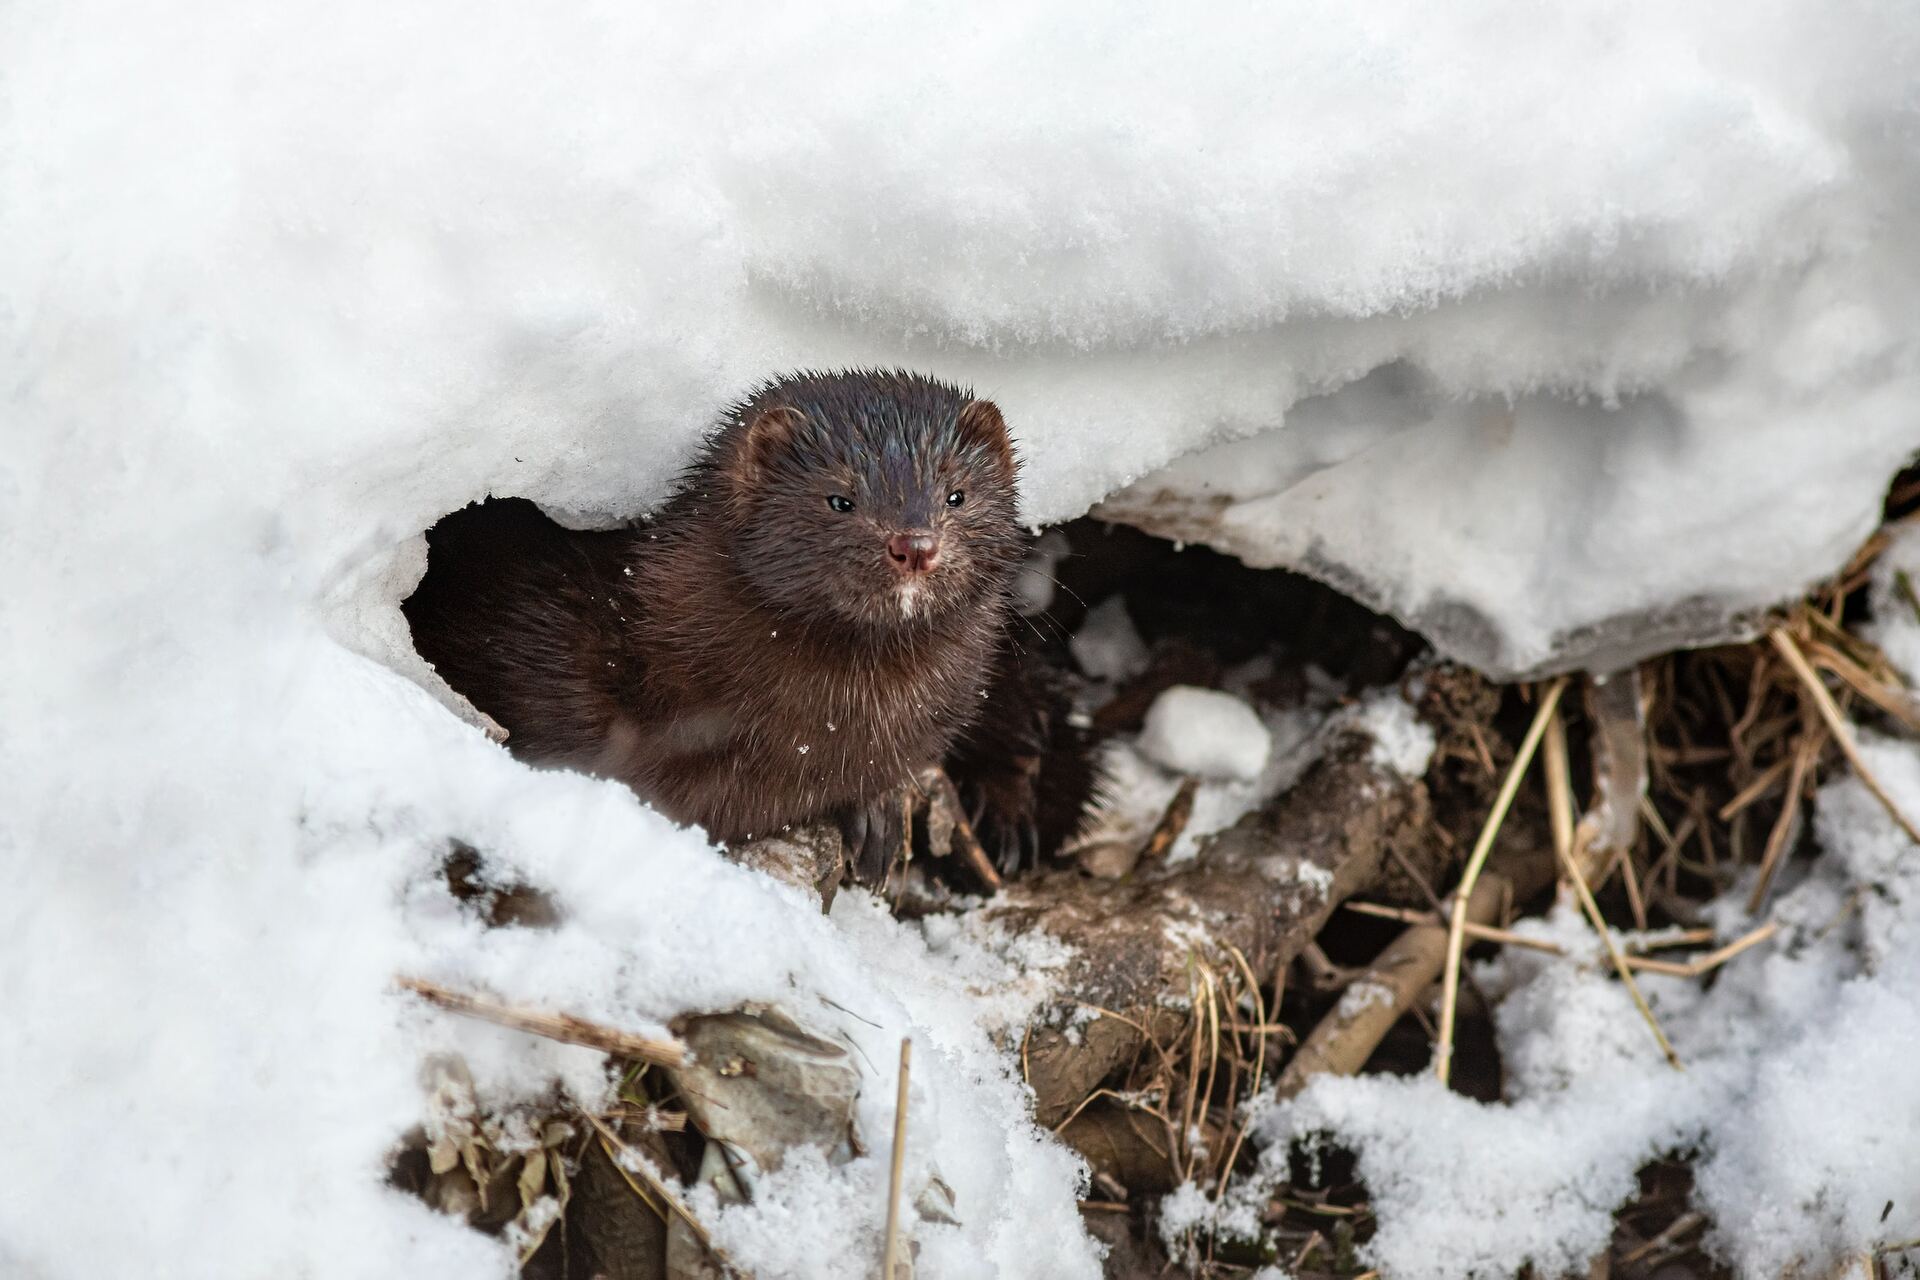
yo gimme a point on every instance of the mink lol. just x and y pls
(819, 610)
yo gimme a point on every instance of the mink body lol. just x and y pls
(813, 616)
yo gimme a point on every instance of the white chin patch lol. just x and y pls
(909, 599)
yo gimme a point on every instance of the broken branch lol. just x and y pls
(563, 1027)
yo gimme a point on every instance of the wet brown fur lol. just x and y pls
(743, 660)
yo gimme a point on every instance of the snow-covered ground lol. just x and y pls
(281, 284)
(1799, 1092)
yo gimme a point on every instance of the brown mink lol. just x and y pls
(815, 614)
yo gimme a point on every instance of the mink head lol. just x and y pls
(883, 499)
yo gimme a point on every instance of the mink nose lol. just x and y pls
(913, 553)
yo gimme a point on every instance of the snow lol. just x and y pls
(1206, 733)
(281, 285)
(1541, 532)
(1188, 1209)
(1401, 742)
(1107, 647)
(1144, 774)
(1896, 603)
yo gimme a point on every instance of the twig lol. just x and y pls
(1678, 1227)
(1559, 779)
(1635, 959)
(1897, 704)
(1685, 938)
(975, 856)
(1837, 723)
(898, 1166)
(1102, 1092)
(940, 791)
(1259, 1060)
(1173, 822)
(1322, 973)
(1670, 840)
(1841, 638)
(1713, 959)
(1622, 965)
(1658, 823)
(1345, 1038)
(1342, 1041)
(1480, 749)
(1314, 1241)
(1768, 779)
(563, 1027)
(1636, 901)
(1457, 931)
(1475, 930)
(1418, 878)
(1804, 757)
(1207, 1016)
(1903, 587)
(654, 1119)
(1405, 915)
(1559, 785)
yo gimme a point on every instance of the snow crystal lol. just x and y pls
(1206, 733)
(1188, 1209)
(1361, 996)
(1311, 874)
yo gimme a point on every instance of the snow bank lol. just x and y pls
(282, 284)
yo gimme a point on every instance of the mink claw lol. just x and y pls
(877, 835)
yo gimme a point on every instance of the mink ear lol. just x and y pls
(769, 433)
(980, 423)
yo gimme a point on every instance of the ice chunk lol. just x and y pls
(1106, 646)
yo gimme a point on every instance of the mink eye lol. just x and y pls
(957, 497)
(838, 503)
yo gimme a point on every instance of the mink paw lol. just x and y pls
(878, 835)
(925, 813)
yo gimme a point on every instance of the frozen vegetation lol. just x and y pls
(1799, 1093)
(1528, 325)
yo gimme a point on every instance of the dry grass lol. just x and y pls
(1476, 861)
(1737, 739)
